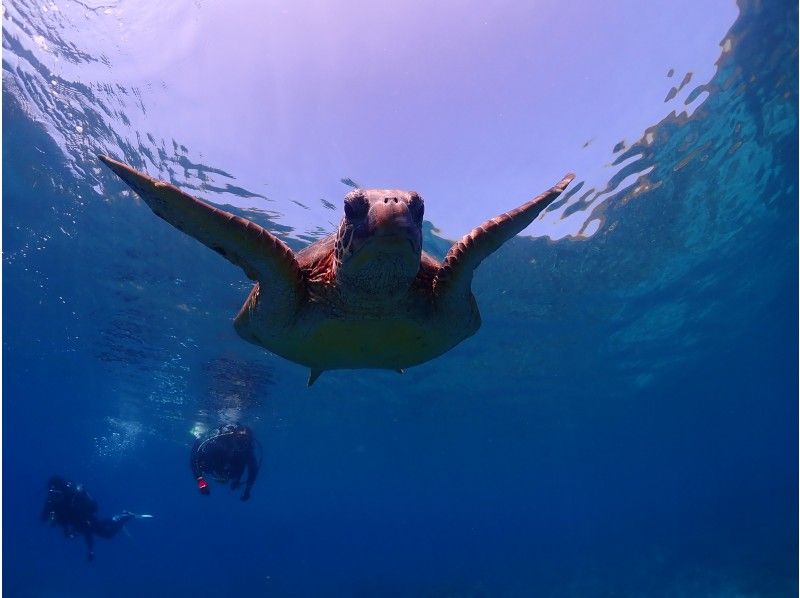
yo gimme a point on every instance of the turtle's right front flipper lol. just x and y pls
(455, 273)
(261, 255)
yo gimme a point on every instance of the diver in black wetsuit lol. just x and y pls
(223, 454)
(70, 506)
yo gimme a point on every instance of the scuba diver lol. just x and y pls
(223, 454)
(70, 506)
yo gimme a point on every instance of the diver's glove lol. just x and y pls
(202, 486)
(246, 495)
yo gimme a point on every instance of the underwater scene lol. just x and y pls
(394, 374)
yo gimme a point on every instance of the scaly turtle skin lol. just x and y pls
(364, 297)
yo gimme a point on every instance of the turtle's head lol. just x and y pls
(379, 241)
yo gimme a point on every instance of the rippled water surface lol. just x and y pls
(625, 421)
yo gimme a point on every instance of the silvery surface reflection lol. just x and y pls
(270, 107)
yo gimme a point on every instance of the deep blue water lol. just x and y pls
(625, 422)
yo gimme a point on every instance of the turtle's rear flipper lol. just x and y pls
(313, 375)
(261, 255)
(455, 273)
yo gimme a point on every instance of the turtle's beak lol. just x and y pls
(390, 220)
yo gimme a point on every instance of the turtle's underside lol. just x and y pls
(366, 296)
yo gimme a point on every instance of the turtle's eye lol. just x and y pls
(417, 207)
(355, 206)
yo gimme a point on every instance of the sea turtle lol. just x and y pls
(366, 296)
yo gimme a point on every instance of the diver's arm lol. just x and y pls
(197, 471)
(252, 472)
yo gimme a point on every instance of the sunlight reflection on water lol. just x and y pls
(86, 72)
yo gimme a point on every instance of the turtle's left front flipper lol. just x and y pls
(261, 255)
(455, 273)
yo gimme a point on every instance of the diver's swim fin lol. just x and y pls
(136, 515)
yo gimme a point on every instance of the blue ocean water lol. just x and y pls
(624, 423)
